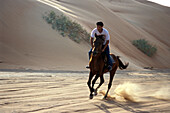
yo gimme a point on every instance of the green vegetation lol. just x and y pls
(145, 47)
(67, 27)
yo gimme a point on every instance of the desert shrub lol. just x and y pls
(66, 27)
(145, 47)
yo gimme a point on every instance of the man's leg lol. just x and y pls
(90, 53)
(89, 56)
(108, 58)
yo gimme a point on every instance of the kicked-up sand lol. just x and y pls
(67, 92)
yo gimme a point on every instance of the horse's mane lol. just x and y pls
(99, 38)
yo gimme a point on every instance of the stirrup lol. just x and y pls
(87, 67)
(109, 68)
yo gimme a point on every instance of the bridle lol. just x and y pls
(97, 52)
(100, 40)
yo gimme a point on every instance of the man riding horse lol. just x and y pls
(100, 31)
(98, 63)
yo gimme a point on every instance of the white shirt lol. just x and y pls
(104, 32)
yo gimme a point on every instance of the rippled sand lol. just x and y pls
(68, 92)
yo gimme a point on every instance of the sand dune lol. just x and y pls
(127, 21)
(27, 41)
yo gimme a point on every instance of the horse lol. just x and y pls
(97, 67)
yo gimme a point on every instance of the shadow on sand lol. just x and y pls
(127, 106)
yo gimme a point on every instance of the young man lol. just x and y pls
(102, 31)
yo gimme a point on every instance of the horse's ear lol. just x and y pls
(102, 37)
(95, 35)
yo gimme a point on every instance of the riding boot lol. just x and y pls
(87, 67)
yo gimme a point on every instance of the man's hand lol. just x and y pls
(103, 50)
(92, 46)
(107, 42)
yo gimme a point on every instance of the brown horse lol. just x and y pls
(97, 66)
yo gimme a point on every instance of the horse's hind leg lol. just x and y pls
(112, 73)
(89, 84)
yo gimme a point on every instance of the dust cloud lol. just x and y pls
(138, 93)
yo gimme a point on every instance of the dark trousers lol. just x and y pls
(107, 52)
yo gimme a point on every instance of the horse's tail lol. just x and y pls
(121, 65)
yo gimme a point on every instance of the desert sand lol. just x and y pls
(147, 92)
(43, 72)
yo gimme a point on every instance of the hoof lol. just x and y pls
(91, 96)
(95, 92)
(105, 97)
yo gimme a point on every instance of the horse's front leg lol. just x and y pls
(101, 82)
(93, 82)
(89, 84)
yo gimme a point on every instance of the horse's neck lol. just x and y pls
(96, 61)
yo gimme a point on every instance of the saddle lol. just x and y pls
(105, 59)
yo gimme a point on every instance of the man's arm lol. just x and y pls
(92, 37)
(107, 42)
(91, 40)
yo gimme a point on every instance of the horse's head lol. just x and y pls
(98, 43)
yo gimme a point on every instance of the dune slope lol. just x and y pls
(27, 41)
(127, 21)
